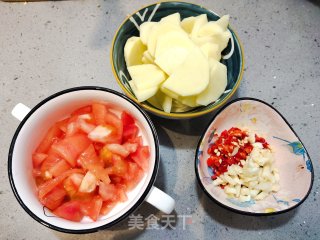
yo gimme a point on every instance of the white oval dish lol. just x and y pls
(291, 157)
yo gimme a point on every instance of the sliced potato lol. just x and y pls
(145, 94)
(169, 92)
(173, 39)
(167, 104)
(146, 76)
(211, 50)
(172, 18)
(217, 85)
(177, 106)
(133, 51)
(189, 101)
(169, 60)
(210, 29)
(155, 99)
(199, 41)
(172, 61)
(222, 40)
(188, 23)
(214, 27)
(223, 22)
(159, 30)
(145, 29)
(200, 21)
(147, 58)
(191, 77)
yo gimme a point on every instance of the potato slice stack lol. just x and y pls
(174, 64)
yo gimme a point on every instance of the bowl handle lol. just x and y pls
(20, 111)
(160, 200)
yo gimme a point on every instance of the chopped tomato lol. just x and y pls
(130, 147)
(47, 186)
(82, 110)
(126, 118)
(88, 161)
(72, 183)
(54, 198)
(51, 160)
(85, 126)
(107, 206)
(138, 140)
(107, 191)
(70, 210)
(106, 156)
(141, 157)
(134, 175)
(118, 149)
(130, 132)
(92, 207)
(93, 163)
(88, 183)
(60, 167)
(113, 120)
(98, 146)
(51, 136)
(103, 134)
(99, 113)
(37, 159)
(70, 148)
(121, 192)
(62, 124)
(120, 166)
(72, 128)
(89, 158)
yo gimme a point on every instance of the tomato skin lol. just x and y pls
(130, 132)
(91, 207)
(138, 140)
(134, 175)
(141, 157)
(53, 134)
(54, 198)
(82, 110)
(62, 124)
(70, 210)
(99, 112)
(127, 118)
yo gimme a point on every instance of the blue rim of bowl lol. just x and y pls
(233, 209)
(122, 217)
(158, 112)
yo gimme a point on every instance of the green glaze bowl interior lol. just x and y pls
(232, 55)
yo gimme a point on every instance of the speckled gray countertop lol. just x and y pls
(50, 46)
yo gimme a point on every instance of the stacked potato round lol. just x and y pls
(174, 64)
